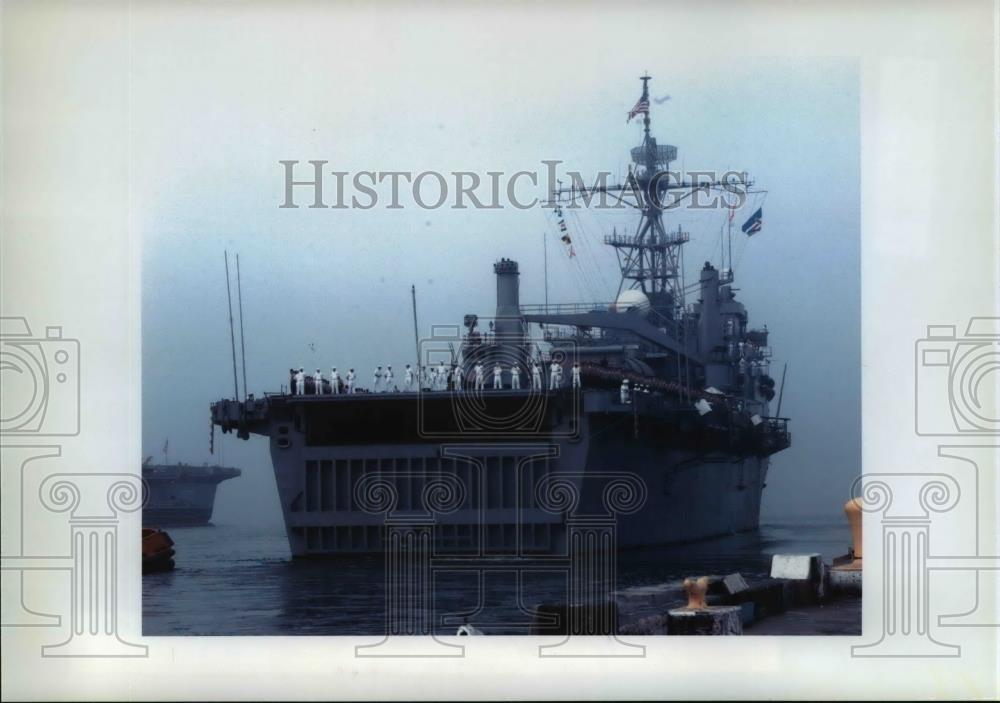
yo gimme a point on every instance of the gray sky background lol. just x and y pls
(220, 97)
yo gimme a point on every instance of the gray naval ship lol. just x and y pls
(181, 494)
(674, 397)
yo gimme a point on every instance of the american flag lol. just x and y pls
(640, 107)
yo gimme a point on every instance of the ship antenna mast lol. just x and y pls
(243, 348)
(416, 335)
(232, 335)
(729, 236)
(650, 259)
(545, 266)
(645, 99)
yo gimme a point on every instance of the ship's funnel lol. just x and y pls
(709, 324)
(509, 325)
(508, 297)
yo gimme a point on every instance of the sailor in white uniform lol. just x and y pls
(624, 391)
(515, 377)
(456, 377)
(408, 378)
(300, 381)
(536, 376)
(376, 379)
(576, 376)
(351, 378)
(387, 380)
(554, 375)
(318, 380)
(497, 377)
(334, 381)
(479, 376)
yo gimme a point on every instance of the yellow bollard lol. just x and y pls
(699, 618)
(852, 509)
(696, 590)
(845, 575)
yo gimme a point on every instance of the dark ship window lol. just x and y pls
(374, 421)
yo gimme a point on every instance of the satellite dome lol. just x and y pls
(632, 299)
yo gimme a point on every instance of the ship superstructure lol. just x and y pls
(673, 409)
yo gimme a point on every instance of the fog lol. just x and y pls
(219, 102)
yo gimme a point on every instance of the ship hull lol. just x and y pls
(507, 495)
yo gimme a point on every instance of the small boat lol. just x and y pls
(157, 551)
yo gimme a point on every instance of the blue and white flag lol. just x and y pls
(753, 225)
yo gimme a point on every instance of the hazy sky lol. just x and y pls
(220, 97)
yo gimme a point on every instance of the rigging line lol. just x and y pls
(578, 280)
(585, 246)
(722, 245)
(742, 251)
(605, 263)
(588, 250)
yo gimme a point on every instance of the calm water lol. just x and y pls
(235, 580)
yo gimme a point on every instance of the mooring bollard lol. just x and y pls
(845, 575)
(698, 618)
(804, 575)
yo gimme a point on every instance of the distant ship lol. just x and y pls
(181, 494)
(500, 470)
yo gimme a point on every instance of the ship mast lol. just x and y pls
(650, 258)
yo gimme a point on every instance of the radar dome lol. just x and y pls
(632, 299)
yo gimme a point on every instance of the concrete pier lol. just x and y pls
(710, 620)
(699, 618)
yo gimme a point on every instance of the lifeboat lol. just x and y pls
(157, 551)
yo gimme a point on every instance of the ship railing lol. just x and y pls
(560, 334)
(776, 427)
(565, 308)
(631, 240)
(643, 274)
